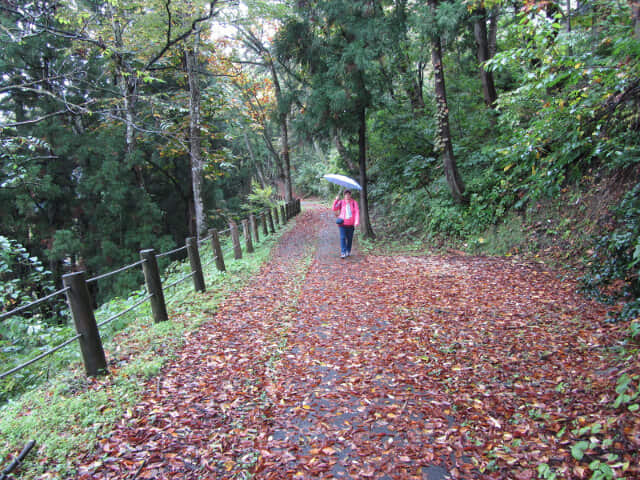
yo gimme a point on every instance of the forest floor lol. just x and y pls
(386, 367)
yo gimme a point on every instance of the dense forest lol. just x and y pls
(495, 127)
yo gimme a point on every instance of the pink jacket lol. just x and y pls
(355, 212)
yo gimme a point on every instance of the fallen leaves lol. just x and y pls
(384, 367)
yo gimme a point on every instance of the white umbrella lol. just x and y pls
(342, 180)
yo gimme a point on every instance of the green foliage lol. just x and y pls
(634, 329)
(312, 163)
(23, 277)
(260, 198)
(400, 151)
(628, 391)
(616, 257)
(546, 472)
(308, 179)
(338, 44)
(564, 116)
(22, 339)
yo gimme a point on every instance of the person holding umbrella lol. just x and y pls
(348, 219)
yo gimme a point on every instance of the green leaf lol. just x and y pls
(577, 450)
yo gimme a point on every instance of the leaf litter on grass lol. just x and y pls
(385, 367)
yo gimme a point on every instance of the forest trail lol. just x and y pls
(375, 367)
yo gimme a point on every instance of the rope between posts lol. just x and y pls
(32, 304)
(117, 315)
(160, 255)
(224, 231)
(181, 280)
(39, 357)
(201, 241)
(103, 276)
(210, 262)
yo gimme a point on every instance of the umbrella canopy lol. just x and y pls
(343, 181)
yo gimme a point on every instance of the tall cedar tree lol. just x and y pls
(483, 36)
(445, 144)
(338, 44)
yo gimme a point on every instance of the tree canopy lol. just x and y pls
(130, 124)
(497, 128)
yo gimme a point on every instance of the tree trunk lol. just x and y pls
(415, 94)
(362, 163)
(443, 142)
(412, 85)
(274, 155)
(195, 150)
(285, 158)
(255, 162)
(635, 17)
(342, 151)
(128, 85)
(284, 132)
(482, 44)
(493, 31)
(411, 78)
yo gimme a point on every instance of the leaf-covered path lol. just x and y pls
(381, 367)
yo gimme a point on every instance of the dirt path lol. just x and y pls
(376, 367)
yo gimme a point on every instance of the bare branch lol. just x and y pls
(194, 27)
(34, 120)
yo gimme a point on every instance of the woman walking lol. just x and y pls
(348, 219)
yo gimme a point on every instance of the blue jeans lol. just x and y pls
(346, 238)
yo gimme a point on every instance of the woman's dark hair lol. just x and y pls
(347, 191)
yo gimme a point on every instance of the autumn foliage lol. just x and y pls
(385, 367)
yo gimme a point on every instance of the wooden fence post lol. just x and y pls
(298, 206)
(270, 218)
(283, 214)
(235, 238)
(79, 301)
(254, 228)
(276, 220)
(247, 236)
(263, 220)
(217, 251)
(154, 285)
(196, 267)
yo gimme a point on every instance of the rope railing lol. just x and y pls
(171, 252)
(120, 270)
(210, 262)
(79, 300)
(190, 275)
(205, 239)
(39, 357)
(118, 315)
(22, 308)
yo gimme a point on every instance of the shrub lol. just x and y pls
(615, 261)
